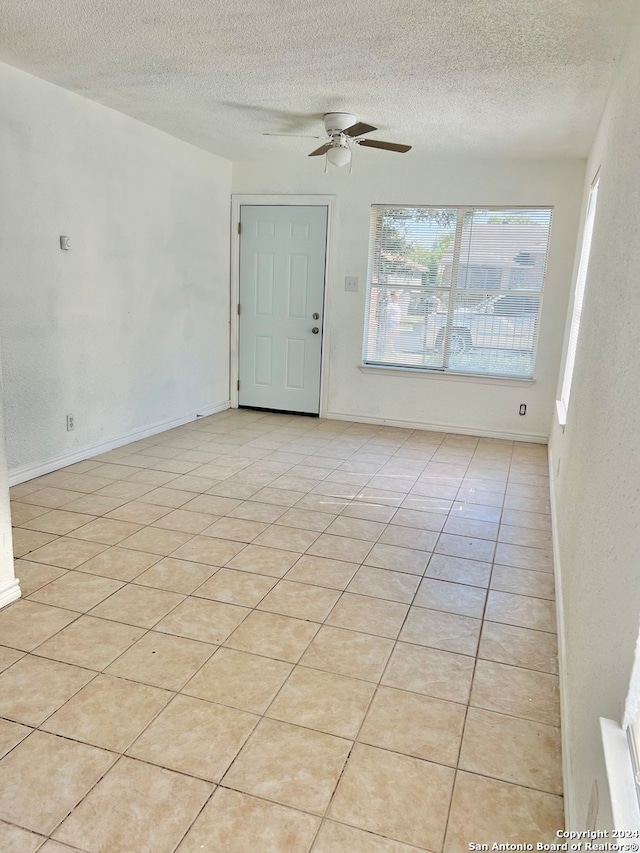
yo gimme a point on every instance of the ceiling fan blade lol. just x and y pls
(387, 146)
(322, 150)
(359, 128)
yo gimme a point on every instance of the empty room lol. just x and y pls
(319, 427)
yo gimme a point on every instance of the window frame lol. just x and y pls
(454, 289)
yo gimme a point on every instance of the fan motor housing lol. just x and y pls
(336, 123)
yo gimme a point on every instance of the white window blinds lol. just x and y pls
(456, 289)
(578, 299)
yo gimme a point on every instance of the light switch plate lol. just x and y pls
(351, 283)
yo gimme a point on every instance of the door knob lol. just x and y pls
(316, 316)
(315, 330)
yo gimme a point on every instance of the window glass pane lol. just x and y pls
(456, 289)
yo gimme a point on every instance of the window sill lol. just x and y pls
(622, 790)
(561, 414)
(415, 373)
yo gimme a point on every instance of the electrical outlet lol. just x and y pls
(523, 409)
(70, 423)
(351, 283)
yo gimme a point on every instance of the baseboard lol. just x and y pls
(407, 424)
(28, 472)
(567, 779)
(9, 591)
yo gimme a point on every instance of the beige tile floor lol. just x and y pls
(260, 632)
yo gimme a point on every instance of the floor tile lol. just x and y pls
(185, 522)
(119, 563)
(338, 838)
(76, 591)
(459, 570)
(476, 528)
(397, 559)
(286, 538)
(138, 512)
(443, 675)
(10, 735)
(8, 657)
(523, 582)
(514, 750)
(273, 635)
(477, 512)
(257, 511)
(173, 575)
(211, 504)
(519, 692)
(236, 529)
(521, 557)
(109, 712)
(322, 701)
(238, 679)
(58, 521)
(21, 512)
(440, 630)
(264, 561)
(420, 520)
(195, 737)
(66, 553)
(369, 615)
(51, 497)
(528, 536)
(409, 537)
(467, 547)
(414, 724)
(300, 600)
(54, 775)
(451, 597)
(153, 540)
(533, 520)
(90, 642)
(201, 619)
(519, 647)
(309, 764)
(235, 587)
(166, 496)
(356, 528)
(348, 653)
(33, 688)
(26, 542)
(306, 520)
(380, 583)
(155, 807)
(33, 576)
(107, 531)
(321, 571)
(340, 548)
(161, 660)
(26, 624)
(384, 792)
(521, 610)
(237, 823)
(16, 840)
(485, 810)
(138, 605)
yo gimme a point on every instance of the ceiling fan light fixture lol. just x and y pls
(339, 155)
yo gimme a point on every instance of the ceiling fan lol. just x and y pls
(341, 130)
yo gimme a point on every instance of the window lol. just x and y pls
(456, 289)
(578, 299)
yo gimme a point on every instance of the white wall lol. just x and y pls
(9, 586)
(597, 489)
(129, 330)
(384, 178)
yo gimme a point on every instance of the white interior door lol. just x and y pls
(282, 273)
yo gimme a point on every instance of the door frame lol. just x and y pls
(237, 200)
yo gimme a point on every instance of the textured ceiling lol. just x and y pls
(472, 77)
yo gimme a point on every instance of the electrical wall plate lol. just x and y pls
(65, 243)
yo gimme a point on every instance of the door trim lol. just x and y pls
(237, 200)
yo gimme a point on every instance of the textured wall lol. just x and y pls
(598, 456)
(9, 589)
(129, 328)
(382, 178)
